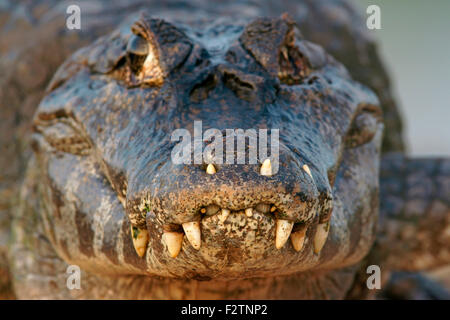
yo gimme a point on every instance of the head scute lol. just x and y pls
(143, 55)
(272, 42)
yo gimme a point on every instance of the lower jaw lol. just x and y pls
(240, 248)
(307, 285)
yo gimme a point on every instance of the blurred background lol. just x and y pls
(414, 43)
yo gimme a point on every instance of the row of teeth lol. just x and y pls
(174, 240)
(265, 170)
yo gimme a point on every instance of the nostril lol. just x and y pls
(233, 81)
(237, 83)
(201, 90)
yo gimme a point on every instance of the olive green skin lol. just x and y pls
(120, 157)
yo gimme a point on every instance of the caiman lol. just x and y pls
(89, 181)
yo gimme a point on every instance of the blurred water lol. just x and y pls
(415, 44)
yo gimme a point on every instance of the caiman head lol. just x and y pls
(129, 137)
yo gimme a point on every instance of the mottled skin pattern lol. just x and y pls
(101, 160)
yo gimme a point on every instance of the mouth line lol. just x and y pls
(220, 221)
(263, 208)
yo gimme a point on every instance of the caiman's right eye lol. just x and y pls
(137, 51)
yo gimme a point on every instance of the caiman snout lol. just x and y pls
(249, 208)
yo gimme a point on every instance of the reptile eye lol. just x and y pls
(364, 126)
(137, 51)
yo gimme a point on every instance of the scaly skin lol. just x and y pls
(415, 213)
(86, 220)
(414, 223)
(273, 287)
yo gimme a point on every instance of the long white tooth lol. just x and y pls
(298, 239)
(284, 228)
(306, 168)
(249, 212)
(321, 236)
(266, 168)
(224, 215)
(140, 240)
(173, 240)
(210, 169)
(193, 233)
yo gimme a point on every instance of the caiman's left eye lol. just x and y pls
(137, 51)
(364, 126)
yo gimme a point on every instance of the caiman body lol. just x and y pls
(102, 191)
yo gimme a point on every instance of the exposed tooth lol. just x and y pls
(298, 239)
(284, 228)
(321, 236)
(210, 169)
(224, 215)
(306, 168)
(173, 240)
(263, 207)
(285, 53)
(211, 209)
(249, 212)
(193, 233)
(266, 168)
(140, 240)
